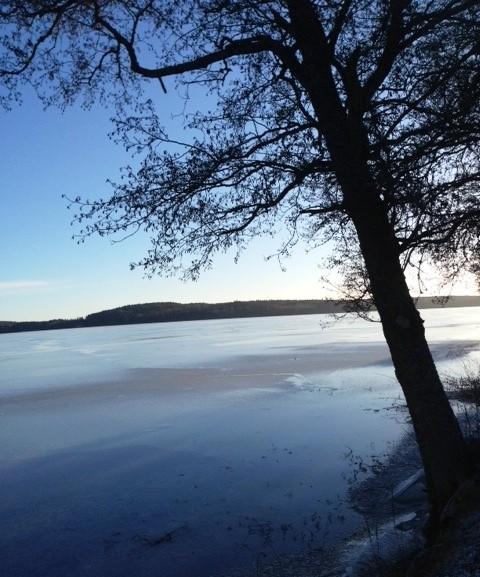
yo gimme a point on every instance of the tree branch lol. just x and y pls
(244, 46)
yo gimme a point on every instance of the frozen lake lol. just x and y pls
(192, 448)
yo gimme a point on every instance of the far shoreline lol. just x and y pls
(162, 312)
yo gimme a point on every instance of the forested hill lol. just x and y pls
(169, 311)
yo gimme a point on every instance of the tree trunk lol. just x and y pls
(442, 447)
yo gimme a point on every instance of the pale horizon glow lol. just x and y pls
(207, 290)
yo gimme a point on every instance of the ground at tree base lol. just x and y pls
(456, 552)
(392, 544)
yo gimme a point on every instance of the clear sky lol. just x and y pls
(45, 274)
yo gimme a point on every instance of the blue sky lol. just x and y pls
(45, 274)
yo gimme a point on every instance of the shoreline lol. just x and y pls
(160, 312)
(393, 502)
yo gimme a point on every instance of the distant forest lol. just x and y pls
(161, 312)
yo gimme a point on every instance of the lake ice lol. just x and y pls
(192, 448)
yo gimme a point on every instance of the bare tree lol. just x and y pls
(353, 121)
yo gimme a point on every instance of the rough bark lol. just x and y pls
(440, 440)
(442, 447)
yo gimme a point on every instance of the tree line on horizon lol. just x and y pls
(159, 312)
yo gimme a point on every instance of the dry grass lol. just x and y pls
(465, 386)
